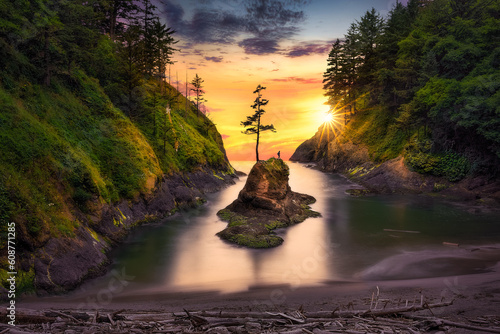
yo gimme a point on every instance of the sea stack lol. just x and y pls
(265, 203)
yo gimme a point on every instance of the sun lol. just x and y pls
(327, 117)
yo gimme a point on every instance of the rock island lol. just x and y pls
(265, 203)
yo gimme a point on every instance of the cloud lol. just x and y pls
(207, 24)
(259, 46)
(264, 23)
(299, 80)
(214, 59)
(215, 109)
(308, 49)
(225, 136)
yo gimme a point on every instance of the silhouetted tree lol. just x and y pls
(198, 89)
(252, 124)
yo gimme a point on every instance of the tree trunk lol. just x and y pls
(112, 20)
(258, 137)
(46, 56)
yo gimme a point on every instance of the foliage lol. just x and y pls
(432, 74)
(252, 124)
(419, 157)
(198, 90)
(84, 119)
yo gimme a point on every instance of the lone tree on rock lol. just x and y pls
(252, 124)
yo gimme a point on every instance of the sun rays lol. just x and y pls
(331, 125)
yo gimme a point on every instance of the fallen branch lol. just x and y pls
(387, 311)
(286, 316)
(67, 316)
(453, 324)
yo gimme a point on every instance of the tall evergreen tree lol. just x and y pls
(197, 83)
(253, 124)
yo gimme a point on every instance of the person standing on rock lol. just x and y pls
(279, 154)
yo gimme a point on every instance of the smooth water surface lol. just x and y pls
(349, 242)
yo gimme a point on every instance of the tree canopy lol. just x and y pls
(423, 83)
(253, 124)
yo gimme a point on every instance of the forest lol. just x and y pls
(88, 115)
(422, 83)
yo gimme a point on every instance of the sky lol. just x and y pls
(235, 45)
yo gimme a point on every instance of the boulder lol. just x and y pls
(265, 203)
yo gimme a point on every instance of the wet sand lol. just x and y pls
(473, 296)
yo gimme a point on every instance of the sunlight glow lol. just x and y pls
(327, 117)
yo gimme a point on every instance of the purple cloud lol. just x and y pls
(308, 49)
(214, 59)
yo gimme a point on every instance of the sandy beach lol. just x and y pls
(473, 298)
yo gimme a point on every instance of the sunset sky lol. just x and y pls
(235, 45)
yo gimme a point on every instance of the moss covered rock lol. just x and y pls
(264, 204)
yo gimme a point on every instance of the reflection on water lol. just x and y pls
(347, 243)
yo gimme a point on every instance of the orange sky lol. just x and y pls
(294, 89)
(281, 44)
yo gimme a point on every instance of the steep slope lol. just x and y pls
(93, 140)
(76, 174)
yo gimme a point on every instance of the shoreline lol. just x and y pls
(454, 304)
(473, 294)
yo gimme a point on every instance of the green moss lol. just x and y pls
(261, 241)
(275, 224)
(217, 176)
(232, 218)
(358, 192)
(439, 187)
(25, 281)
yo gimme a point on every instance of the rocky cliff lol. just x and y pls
(340, 154)
(76, 174)
(265, 203)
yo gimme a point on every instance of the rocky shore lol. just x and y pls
(62, 264)
(264, 204)
(334, 153)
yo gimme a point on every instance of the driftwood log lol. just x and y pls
(385, 319)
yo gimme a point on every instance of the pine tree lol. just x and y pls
(252, 124)
(198, 89)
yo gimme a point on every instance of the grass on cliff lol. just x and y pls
(375, 129)
(67, 147)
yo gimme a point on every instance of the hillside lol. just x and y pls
(91, 144)
(414, 98)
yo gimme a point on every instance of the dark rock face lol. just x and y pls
(264, 204)
(338, 154)
(64, 263)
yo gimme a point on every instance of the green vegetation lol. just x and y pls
(252, 124)
(234, 219)
(259, 241)
(87, 115)
(423, 83)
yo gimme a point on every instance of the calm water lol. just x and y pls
(348, 243)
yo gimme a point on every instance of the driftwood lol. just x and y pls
(445, 322)
(380, 316)
(401, 231)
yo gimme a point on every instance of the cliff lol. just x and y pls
(76, 174)
(357, 161)
(265, 203)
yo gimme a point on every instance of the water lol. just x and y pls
(348, 243)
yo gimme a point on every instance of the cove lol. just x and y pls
(356, 239)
